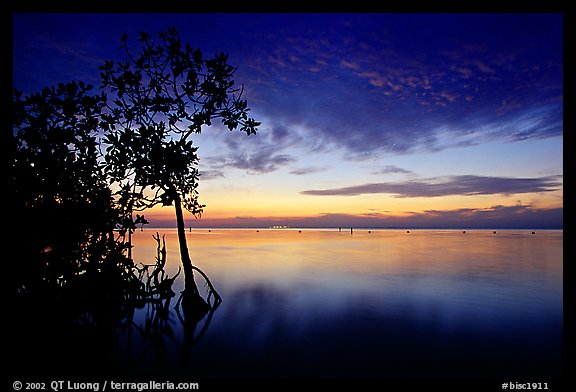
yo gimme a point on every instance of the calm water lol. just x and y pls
(385, 304)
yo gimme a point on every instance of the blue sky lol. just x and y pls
(411, 120)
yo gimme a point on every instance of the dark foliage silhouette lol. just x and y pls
(71, 276)
(80, 165)
(56, 186)
(158, 98)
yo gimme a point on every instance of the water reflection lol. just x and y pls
(382, 304)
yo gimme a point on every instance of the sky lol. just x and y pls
(368, 120)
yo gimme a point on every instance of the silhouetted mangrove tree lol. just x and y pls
(81, 164)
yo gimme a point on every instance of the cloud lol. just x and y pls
(484, 68)
(495, 217)
(391, 169)
(258, 162)
(349, 64)
(373, 95)
(537, 123)
(518, 216)
(467, 185)
(307, 170)
(207, 175)
(358, 83)
(265, 152)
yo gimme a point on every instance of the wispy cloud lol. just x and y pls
(496, 216)
(307, 170)
(257, 162)
(211, 174)
(391, 169)
(367, 93)
(265, 152)
(519, 216)
(467, 185)
(499, 216)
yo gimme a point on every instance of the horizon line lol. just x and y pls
(188, 228)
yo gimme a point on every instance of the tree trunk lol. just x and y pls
(189, 283)
(130, 244)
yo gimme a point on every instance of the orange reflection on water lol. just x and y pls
(289, 293)
(289, 256)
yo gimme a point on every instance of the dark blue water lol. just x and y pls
(328, 305)
(379, 304)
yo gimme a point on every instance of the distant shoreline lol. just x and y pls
(360, 228)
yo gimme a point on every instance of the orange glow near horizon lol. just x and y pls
(227, 209)
(400, 249)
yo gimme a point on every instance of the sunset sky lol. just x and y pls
(368, 120)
